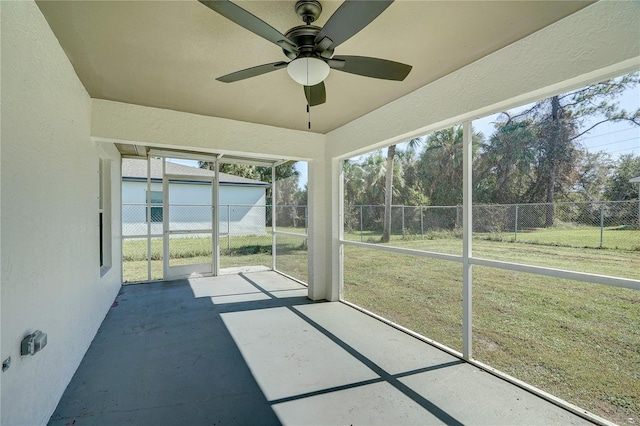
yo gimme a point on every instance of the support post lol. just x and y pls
(215, 200)
(467, 273)
(601, 223)
(361, 221)
(306, 228)
(337, 172)
(213, 225)
(148, 218)
(403, 225)
(165, 220)
(515, 234)
(229, 229)
(273, 217)
(421, 222)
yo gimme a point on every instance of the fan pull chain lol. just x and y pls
(308, 108)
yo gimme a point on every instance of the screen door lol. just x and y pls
(188, 225)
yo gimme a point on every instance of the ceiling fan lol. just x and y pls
(311, 48)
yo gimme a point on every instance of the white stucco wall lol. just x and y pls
(51, 277)
(171, 129)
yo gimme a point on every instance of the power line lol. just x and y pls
(612, 143)
(610, 133)
(623, 149)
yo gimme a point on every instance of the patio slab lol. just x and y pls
(252, 349)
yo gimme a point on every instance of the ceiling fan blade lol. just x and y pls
(350, 18)
(252, 72)
(249, 21)
(316, 95)
(371, 67)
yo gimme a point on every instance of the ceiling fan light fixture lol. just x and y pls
(308, 71)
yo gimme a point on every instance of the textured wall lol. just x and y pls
(51, 278)
(165, 128)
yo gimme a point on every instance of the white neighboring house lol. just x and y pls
(242, 200)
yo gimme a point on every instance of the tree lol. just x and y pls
(288, 199)
(354, 178)
(411, 191)
(504, 167)
(373, 179)
(440, 165)
(261, 173)
(593, 172)
(557, 124)
(388, 187)
(363, 185)
(388, 194)
(618, 187)
(557, 157)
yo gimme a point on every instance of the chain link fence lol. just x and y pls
(606, 224)
(291, 217)
(365, 222)
(245, 229)
(292, 250)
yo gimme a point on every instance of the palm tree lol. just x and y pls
(441, 165)
(388, 187)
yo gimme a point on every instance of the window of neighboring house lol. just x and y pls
(104, 211)
(156, 206)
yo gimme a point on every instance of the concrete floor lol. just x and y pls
(252, 349)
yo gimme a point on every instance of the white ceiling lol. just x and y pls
(167, 54)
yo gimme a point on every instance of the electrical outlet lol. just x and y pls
(33, 343)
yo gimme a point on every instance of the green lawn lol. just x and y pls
(578, 341)
(538, 251)
(615, 238)
(238, 251)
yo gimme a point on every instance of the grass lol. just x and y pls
(235, 252)
(567, 235)
(578, 341)
(614, 261)
(614, 237)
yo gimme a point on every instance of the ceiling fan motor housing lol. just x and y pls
(304, 37)
(308, 10)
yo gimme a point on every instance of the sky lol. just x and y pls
(613, 138)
